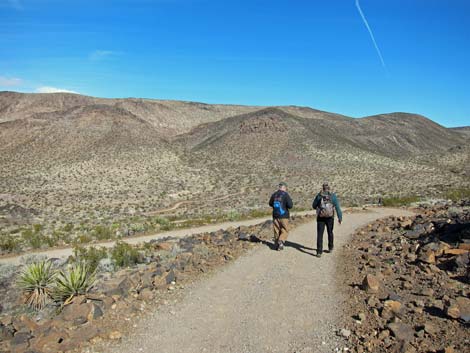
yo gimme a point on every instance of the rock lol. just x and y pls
(166, 246)
(426, 292)
(456, 252)
(427, 256)
(371, 284)
(6, 332)
(79, 314)
(115, 335)
(52, 340)
(393, 306)
(465, 246)
(362, 316)
(406, 224)
(84, 334)
(146, 294)
(430, 328)
(460, 262)
(383, 334)
(170, 277)
(459, 309)
(117, 286)
(401, 331)
(345, 333)
(20, 338)
(449, 349)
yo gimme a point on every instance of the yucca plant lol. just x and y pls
(37, 280)
(77, 280)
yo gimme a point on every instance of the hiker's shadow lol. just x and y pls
(290, 244)
(287, 243)
(299, 247)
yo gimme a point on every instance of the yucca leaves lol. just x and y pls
(41, 282)
(77, 280)
(37, 280)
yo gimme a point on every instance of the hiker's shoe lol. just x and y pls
(330, 250)
(319, 254)
(280, 246)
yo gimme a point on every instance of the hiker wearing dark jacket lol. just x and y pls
(325, 203)
(281, 203)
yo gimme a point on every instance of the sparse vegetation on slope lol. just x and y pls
(86, 169)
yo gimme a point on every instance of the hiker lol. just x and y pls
(281, 203)
(326, 202)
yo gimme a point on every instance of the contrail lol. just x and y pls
(370, 32)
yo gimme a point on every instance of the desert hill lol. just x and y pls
(395, 134)
(464, 131)
(169, 117)
(71, 158)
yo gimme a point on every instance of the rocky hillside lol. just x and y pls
(464, 131)
(410, 282)
(67, 158)
(169, 117)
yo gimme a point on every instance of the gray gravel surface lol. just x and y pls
(266, 301)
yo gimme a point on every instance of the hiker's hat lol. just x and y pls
(282, 184)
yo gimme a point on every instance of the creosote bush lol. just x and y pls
(90, 255)
(396, 201)
(124, 255)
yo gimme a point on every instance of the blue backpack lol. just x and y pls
(277, 205)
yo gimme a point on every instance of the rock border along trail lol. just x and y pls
(266, 301)
(180, 233)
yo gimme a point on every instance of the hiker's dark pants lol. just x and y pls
(321, 223)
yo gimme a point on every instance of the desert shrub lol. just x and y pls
(396, 201)
(233, 215)
(9, 243)
(165, 223)
(457, 194)
(60, 237)
(102, 232)
(83, 239)
(68, 227)
(90, 256)
(37, 280)
(124, 255)
(137, 227)
(258, 213)
(76, 280)
(32, 238)
(51, 241)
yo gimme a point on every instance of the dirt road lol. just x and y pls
(266, 301)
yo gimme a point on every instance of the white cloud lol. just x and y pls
(10, 81)
(48, 89)
(102, 54)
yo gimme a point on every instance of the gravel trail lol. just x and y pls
(266, 301)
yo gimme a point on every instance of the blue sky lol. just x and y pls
(310, 53)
